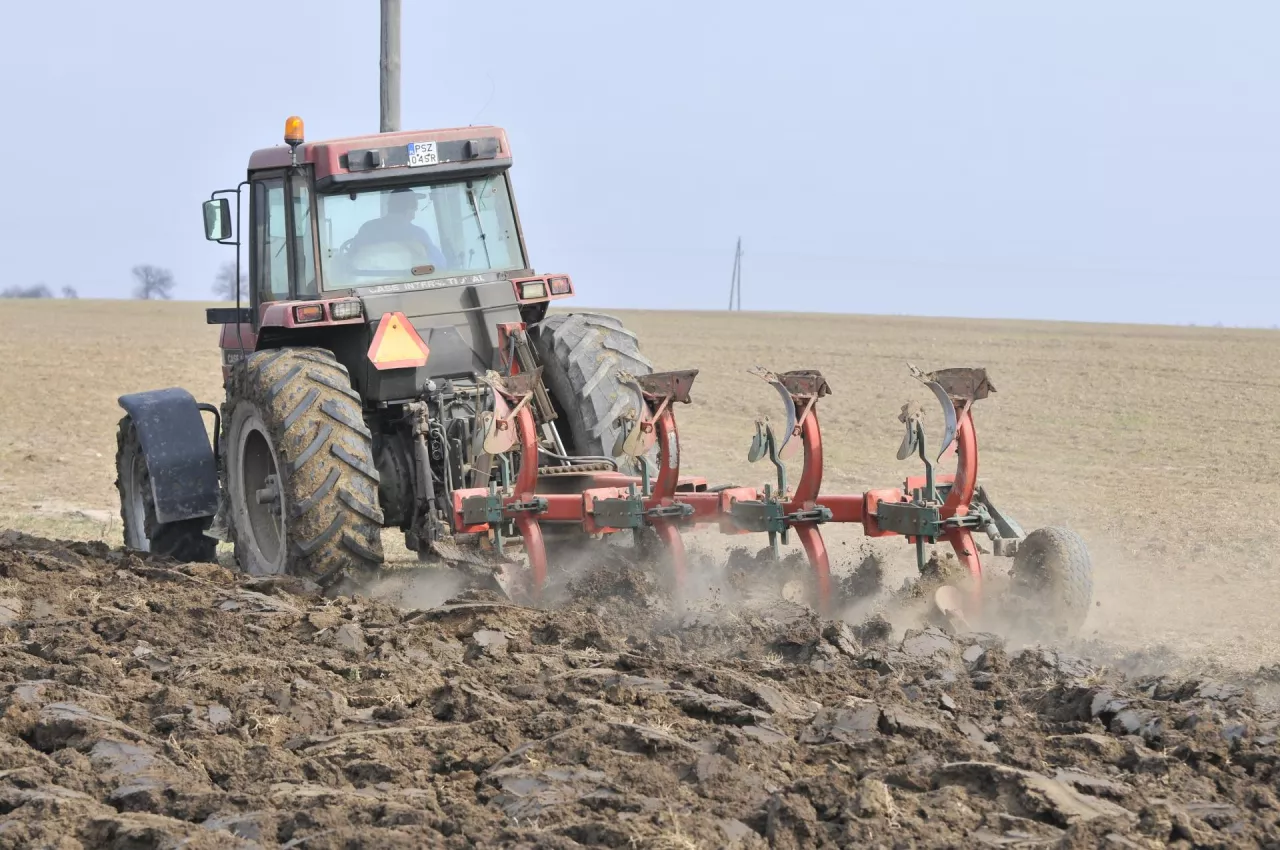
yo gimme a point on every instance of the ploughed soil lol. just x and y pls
(150, 704)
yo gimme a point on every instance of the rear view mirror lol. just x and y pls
(217, 220)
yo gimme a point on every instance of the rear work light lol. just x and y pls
(533, 289)
(560, 286)
(306, 313)
(342, 310)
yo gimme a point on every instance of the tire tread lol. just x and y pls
(582, 355)
(1053, 564)
(305, 399)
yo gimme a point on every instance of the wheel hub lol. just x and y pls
(262, 494)
(137, 512)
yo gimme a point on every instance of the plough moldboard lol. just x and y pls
(930, 508)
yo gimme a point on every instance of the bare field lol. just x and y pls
(150, 704)
(1156, 443)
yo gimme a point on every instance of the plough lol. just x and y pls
(932, 508)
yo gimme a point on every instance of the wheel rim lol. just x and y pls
(135, 515)
(262, 498)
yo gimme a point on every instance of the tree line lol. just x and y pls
(151, 283)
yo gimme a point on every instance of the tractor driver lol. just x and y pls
(397, 226)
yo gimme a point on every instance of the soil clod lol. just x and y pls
(169, 704)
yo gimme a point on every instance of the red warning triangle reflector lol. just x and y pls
(396, 345)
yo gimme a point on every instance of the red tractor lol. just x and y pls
(392, 303)
(396, 368)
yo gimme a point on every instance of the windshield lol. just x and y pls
(383, 236)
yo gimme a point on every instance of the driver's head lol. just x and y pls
(403, 203)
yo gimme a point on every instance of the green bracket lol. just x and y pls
(532, 506)
(629, 511)
(766, 515)
(910, 519)
(676, 510)
(815, 515)
(490, 510)
(618, 513)
(479, 510)
(769, 516)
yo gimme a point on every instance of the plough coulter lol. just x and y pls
(398, 367)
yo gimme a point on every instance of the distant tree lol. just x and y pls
(39, 290)
(224, 283)
(154, 283)
(70, 292)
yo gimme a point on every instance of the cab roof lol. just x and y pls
(360, 158)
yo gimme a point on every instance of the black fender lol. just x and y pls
(180, 461)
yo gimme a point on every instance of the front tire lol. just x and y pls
(184, 540)
(301, 487)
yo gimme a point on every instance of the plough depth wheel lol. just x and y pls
(1053, 575)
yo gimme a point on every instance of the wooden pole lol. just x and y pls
(389, 67)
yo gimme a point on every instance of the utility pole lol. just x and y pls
(735, 284)
(390, 67)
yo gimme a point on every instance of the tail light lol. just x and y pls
(307, 313)
(542, 288)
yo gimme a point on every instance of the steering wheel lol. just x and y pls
(381, 259)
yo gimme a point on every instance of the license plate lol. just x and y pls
(423, 153)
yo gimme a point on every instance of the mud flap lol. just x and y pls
(175, 445)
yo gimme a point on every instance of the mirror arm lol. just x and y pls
(234, 238)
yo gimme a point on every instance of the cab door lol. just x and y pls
(282, 251)
(269, 245)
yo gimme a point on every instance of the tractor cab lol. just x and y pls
(344, 232)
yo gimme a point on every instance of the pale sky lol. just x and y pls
(1108, 161)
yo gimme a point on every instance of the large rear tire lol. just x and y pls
(299, 476)
(582, 355)
(184, 540)
(1053, 574)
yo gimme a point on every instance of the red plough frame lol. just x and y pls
(925, 510)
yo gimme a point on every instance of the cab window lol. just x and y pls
(304, 253)
(285, 239)
(271, 229)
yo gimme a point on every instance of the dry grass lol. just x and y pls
(1159, 444)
